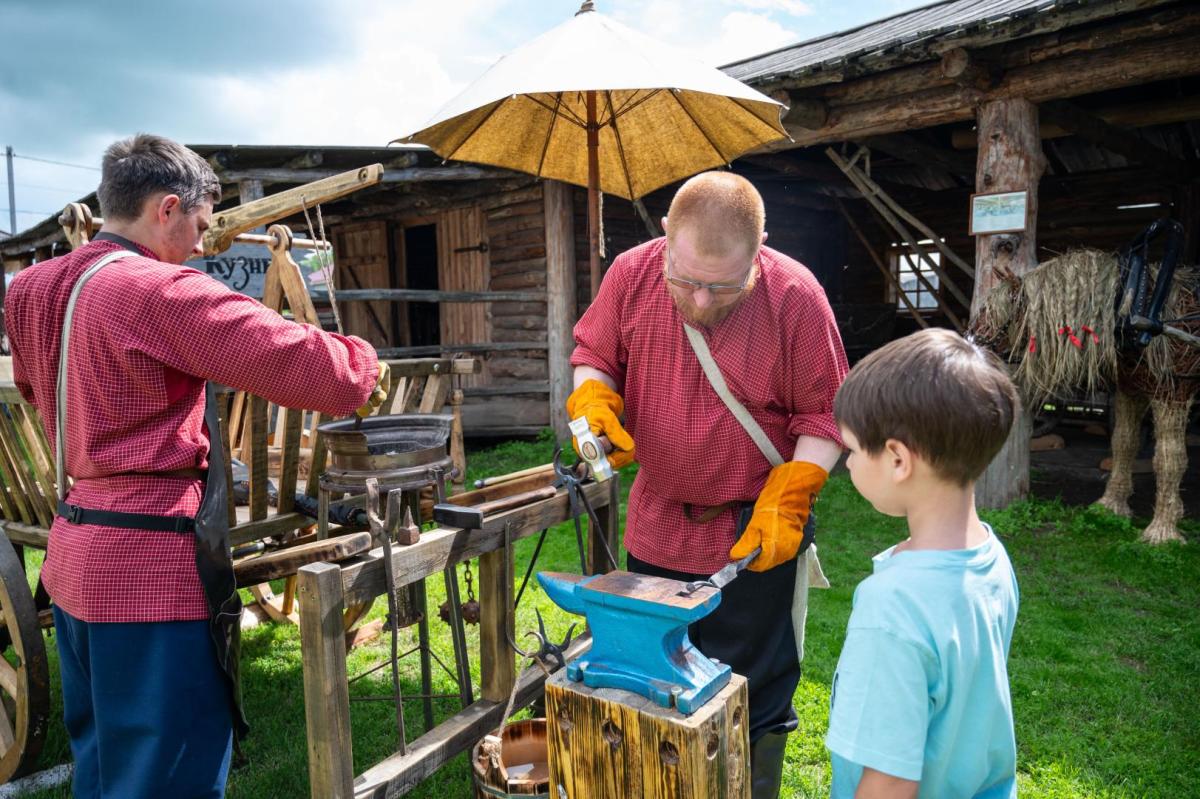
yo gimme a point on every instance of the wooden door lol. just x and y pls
(464, 266)
(361, 258)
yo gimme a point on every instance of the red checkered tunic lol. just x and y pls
(780, 354)
(146, 336)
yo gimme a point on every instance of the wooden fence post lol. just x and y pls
(326, 691)
(497, 661)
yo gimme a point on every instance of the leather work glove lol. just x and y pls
(780, 514)
(379, 393)
(603, 408)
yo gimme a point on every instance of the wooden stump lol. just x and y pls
(606, 743)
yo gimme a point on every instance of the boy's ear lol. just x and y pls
(900, 459)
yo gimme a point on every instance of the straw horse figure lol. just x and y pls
(1058, 325)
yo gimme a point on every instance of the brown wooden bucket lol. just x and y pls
(524, 769)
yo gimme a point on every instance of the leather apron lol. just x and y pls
(214, 564)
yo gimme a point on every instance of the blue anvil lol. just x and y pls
(639, 636)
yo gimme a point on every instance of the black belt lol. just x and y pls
(136, 521)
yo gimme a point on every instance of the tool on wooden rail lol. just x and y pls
(639, 636)
(469, 609)
(470, 517)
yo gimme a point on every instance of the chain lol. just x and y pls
(468, 577)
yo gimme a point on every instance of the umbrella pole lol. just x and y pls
(593, 196)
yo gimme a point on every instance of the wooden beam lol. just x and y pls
(1010, 159)
(429, 295)
(408, 175)
(561, 308)
(1132, 65)
(910, 148)
(883, 268)
(483, 348)
(802, 112)
(1127, 143)
(1130, 115)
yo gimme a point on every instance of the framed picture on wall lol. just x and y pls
(1003, 212)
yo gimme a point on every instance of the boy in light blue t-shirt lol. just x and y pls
(920, 703)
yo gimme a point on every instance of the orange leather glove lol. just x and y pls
(378, 394)
(603, 408)
(780, 514)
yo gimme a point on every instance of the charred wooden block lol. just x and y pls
(607, 743)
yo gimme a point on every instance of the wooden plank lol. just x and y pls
(497, 664)
(256, 441)
(560, 298)
(28, 431)
(363, 262)
(428, 295)
(289, 461)
(433, 398)
(883, 268)
(25, 534)
(16, 476)
(474, 349)
(464, 269)
(363, 579)
(1127, 143)
(407, 175)
(400, 773)
(426, 366)
(288, 561)
(223, 410)
(326, 692)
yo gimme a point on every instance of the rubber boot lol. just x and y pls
(766, 765)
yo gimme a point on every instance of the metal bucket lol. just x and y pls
(525, 764)
(387, 443)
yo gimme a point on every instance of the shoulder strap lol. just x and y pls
(713, 373)
(60, 404)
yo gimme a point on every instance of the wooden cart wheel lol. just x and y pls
(24, 676)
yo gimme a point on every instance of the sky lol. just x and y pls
(75, 76)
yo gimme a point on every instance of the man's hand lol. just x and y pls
(780, 514)
(379, 393)
(603, 408)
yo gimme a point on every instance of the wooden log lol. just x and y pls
(522, 322)
(516, 209)
(606, 743)
(497, 228)
(561, 287)
(409, 175)
(326, 691)
(1137, 63)
(520, 368)
(521, 280)
(801, 111)
(519, 336)
(227, 224)
(519, 309)
(883, 268)
(1010, 159)
(517, 267)
(1129, 144)
(968, 70)
(500, 200)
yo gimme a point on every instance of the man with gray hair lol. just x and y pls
(114, 343)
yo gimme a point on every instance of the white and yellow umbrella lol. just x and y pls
(597, 104)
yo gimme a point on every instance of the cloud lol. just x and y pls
(796, 8)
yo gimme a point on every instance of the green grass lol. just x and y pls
(1105, 663)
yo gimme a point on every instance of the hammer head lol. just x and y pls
(451, 515)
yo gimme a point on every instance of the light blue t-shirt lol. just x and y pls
(921, 688)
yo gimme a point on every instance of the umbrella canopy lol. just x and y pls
(661, 114)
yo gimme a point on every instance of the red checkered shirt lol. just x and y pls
(146, 336)
(780, 354)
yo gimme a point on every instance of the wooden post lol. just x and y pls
(1010, 159)
(326, 692)
(605, 743)
(593, 144)
(249, 191)
(497, 661)
(560, 297)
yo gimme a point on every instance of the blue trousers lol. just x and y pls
(146, 709)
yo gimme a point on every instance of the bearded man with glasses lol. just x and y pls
(708, 488)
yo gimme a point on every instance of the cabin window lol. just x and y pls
(907, 265)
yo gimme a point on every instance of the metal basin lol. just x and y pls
(387, 443)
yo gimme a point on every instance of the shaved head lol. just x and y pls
(722, 214)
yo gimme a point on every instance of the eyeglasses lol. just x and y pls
(720, 289)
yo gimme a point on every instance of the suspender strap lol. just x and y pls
(713, 373)
(60, 409)
(137, 521)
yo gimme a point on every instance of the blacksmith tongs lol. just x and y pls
(724, 576)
